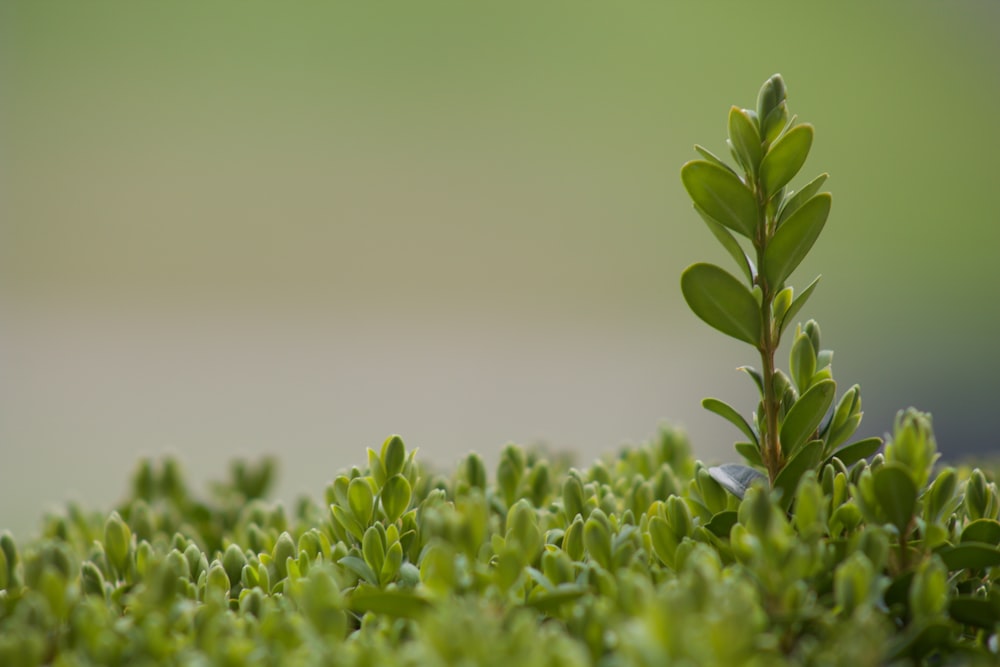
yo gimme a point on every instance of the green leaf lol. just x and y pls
(360, 568)
(785, 158)
(396, 603)
(722, 523)
(771, 95)
(750, 452)
(393, 455)
(736, 478)
(806, 414)
(806, 459)
(722, 195)
(797, 304)
(970, 556)
(361, 500)
(549, 601)
(714, 159)
(856, 451)
(722, 302)
(771, 127)
(730, 243)
(745, 139)
(795, 201)
(755, 376)
(730, 414)
(395, 497)
(802, 362)
(896, 494)
(977, 612)
(794, 239)
(986, 531)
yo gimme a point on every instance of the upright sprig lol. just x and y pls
(768, 230)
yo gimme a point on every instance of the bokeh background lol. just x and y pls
(231, 229)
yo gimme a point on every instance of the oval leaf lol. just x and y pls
(804, 460)
(794, 239)
(806, 414)
(896, 493)
(722, 302)
(986, 531)
(730, 243)
(397, 603)
(735, 478)
(978, 612)
(722, 523)
(793, 203)
(970, 555)
(856, 451)
(750, 452)
(730, 414)
(784, 159)
(722, 195)
(745, 138)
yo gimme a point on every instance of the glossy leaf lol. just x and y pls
(794, 239)
(795, 202)
(806, 414)
(730, 243)
(730, 414)
(745, 139)
(785, 158)
(856, 451)
(770, 96)
(722, 302)
(722, 195)
(896, 494)
(736, 478)
(804, 460)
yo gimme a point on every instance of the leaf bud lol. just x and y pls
(913, 444)
(771, 94)
(117, 541)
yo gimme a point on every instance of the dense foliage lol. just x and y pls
(818, 552)
(643, 559)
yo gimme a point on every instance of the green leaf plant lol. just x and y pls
(768, 229)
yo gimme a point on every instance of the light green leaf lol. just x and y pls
(360, 568)
(730, 243)
(393, 455)
(549, 601)
(750, 452)
(797, 304)
(795, 202)
(722, 302)
(805, 415)
(804, 460)
(785, 158)
(794, 239)
(802, 362)
(722, 195)
(361, 500)
(395, 497)
(745, 139)
(730, 414)
(896, 493)
(714, 159)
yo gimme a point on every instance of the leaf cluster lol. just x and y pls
(640, 559)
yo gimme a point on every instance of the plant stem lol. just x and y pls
(771, 453)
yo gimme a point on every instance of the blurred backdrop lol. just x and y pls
(230, 229)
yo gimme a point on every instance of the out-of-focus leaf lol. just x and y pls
(397, 603)
(986, 531)
(722, 302)
(856, 451)
(970, 556)
(896, 493)
(750, 452)
(805, 459)
(978, 612)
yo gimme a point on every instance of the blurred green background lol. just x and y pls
(295, 228)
